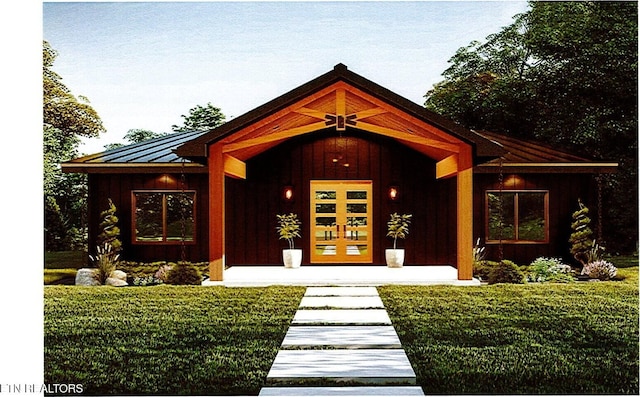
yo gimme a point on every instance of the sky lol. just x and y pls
(143, 65)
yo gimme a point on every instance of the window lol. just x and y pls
(518, 216)
(159, 217)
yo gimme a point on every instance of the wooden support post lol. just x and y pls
(216, 213)
(465, 224)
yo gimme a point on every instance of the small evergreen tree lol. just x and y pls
(109, 228)
(582, 237)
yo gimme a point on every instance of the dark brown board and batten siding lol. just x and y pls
(252, 204)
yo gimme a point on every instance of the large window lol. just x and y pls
(163, 216)
(518, 216)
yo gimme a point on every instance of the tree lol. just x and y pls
(109, 230)
(564, 73)
(65, 119)
(135, 135)
(201, 118)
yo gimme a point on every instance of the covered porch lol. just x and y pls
(340, 275)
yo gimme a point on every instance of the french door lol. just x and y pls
(341, 222)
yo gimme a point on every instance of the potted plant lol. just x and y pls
(289, 228)
(398, 227)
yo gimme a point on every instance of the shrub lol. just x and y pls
(481, 269)
(163, 272)
(506, 272)
(601, 270)
(184, 274)
(549, 269)
(105, 261)
(580, 239)
(146, 280)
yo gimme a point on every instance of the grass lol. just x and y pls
(165, 339)
(578, 338)
(65, 260)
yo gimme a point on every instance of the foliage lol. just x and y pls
(549, 269)
(596, 253)
(601, 270)
(184, 274)
(60, 276)
(560, 66)
(109, 231)
(105, 261)
(505, 272)
(65, 259)
(65, 119)
(478, 252)
(288, 228)
(481, 269)
(201, 118)
(532, 339)
(398, 226)
(158, 269)
(582, 234)
(136, 135)
(166, 340)
(146, 281)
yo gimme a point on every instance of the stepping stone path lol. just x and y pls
(341, 343)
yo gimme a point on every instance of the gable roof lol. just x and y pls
(483, 148)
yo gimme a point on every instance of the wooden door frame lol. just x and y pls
(347, 183)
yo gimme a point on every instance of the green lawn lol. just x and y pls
(579, 338)
(165, 339)
(65, 260)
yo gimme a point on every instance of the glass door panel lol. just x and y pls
(341, 222)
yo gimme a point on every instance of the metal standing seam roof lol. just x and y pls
(156, 151)
(530, 154)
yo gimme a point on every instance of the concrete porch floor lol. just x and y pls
(340, 275)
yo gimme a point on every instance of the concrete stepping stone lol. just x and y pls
(341, 291)
(343, 391)
(342, 337)
(358, 367)
(342, 302)
(341, 317)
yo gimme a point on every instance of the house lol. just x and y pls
(343, 153)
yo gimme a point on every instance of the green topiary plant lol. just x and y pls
(184, 274)
(506, 272)
(581, 238)
(109, 231)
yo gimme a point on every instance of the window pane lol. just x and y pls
(326, 195)
(356, 208)
(148, 216)
(501, 216)
(179, 211)
(531, 219)
(325, 208)
(357, 195)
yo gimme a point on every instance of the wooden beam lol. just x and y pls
(275, 136)
(234, 167)
(405, 136)
(312, 113)
(363, 114)
(447, 167)
(464, 255)
(216, 213)
(341, 102)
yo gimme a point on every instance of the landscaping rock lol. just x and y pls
(86, 277)
(115, 282)
(118, 274)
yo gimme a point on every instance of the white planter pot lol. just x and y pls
(292, 258)
(394, 257)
